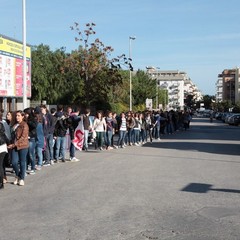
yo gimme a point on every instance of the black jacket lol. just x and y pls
(32, 124)
(3, 137)
(61, 127)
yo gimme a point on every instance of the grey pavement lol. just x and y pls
(184, 187)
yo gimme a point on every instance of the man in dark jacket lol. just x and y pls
(72, 121)
(60, 135)
(48, 129)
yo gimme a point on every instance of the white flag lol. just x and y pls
(79, 136)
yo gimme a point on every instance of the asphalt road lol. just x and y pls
(185, 187)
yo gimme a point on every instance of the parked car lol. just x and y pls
(234, 119)
(218, 115)
(225, 116)
(228, 116)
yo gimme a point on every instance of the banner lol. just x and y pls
(79, 136)
(11, 68)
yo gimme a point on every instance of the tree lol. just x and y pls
(41, 68)
(143, 87)
(48, 80)
(97, 73)
(208, 100)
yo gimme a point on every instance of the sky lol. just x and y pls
(199, 37)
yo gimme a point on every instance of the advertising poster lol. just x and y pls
(11, 71)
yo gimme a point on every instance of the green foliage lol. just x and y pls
(143, 87)
(119, 107)
(48, 80)
(208, 101)
(88, 76)
(41, 68)
(139, 108)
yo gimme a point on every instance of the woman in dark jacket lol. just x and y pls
(20, 148)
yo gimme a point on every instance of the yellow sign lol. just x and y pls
(14, 48)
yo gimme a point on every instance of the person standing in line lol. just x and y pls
(39, 140)
(87, 127)
(72, 121)
(122, 130)
(136, 130)
(19, 148)
(3, 152)
(32, 124)
(48, 129)
(7, 158)
(60, 136)
(130, 128)
(115, 129)
(109, 131)
(99, 125)
(142, 128)
(156, 129)
(149, 126)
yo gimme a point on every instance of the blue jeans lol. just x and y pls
(72, 150)
(121, 138)
(19, 156)
(143, 135)
(60, 147)
(130, 135)
(109, 135)
(86, 132)
(156, 131)
(31, 153)
(39, 152)
(99, 139)
(136, 135)
(49, 148)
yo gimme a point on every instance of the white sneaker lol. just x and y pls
(32, 172)
(15, 181)
(51, 162)
(21, 183)
(74, 159)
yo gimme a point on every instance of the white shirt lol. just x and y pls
(123, 126)
(99, 125)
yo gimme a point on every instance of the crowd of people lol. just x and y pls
(37, 137)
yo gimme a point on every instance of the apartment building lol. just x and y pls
(177, 84)
(228, 86)
(219, 89)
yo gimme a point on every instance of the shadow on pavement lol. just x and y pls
(215, 148)
(204, 188)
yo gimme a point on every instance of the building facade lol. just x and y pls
(219, 89)
(177, 85)
(228, 86)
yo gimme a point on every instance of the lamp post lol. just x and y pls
(24, 68)
(157, 89)
(130, 74)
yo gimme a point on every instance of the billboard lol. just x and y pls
(11, 62)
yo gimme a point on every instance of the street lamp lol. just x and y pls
(24, 80)
(157, 89)
(130, 74)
